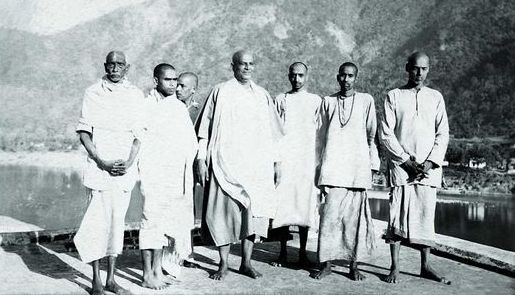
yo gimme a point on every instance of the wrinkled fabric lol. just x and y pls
(243, 132)
(101, 230)
(168, 149)
(297, 193)
(346, 226)
(414, 125)
(349, 152)
(412, 214)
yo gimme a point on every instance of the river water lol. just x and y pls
(52, 199)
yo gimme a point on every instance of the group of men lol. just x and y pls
(263, 162)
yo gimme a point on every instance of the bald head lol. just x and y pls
(412, 59)
(243, 65)
(186, 86)
(417, 67)
(298, 75)
(116, 66)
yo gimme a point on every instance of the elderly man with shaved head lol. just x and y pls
(186, 87)
(297, 193)
(239, 132)
(109, 131)
(414, 133)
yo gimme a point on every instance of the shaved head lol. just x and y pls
(348, 64)
(161, 68)
(191, 77)
(417, 55)
(118, 55)
(298, 64)
(238, 55)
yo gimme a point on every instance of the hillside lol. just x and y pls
(43, 76)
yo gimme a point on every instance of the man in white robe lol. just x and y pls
(414, 134)
(239, 130)
(168, 149)
(297, 193)
(108, 129)
(348, 160)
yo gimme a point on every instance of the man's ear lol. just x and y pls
(155, 80)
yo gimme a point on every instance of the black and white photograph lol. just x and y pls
(257, 147)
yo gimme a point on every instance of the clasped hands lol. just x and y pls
(115, 167)
(416, 171)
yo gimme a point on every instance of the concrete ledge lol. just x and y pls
(491, 258)
(487, 257)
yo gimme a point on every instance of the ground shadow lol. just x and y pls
(40, 261)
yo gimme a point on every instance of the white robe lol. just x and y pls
(110, 113)
(168, 149)
(297, 192)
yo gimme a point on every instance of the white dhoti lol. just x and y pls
(102, 227)
(346, 226)
(412, 214)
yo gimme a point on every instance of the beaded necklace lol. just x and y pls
(341, 110)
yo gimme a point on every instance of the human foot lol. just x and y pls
(323, 272)
(356, 275)
(220, 273)
(393, 277)
(429, 273)
(153, 282)
(113, 287)
(249, 271)
(97, 291)
(189, 264)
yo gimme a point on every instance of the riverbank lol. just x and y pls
(74, 160)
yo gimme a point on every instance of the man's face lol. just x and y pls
(297, 77)
(243, 68)
(417, 70)
(346, 78)
(166, 82)
(116, 67)
(185, 88)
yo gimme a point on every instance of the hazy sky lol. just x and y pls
(47, 17)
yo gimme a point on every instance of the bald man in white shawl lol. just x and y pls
(297, 193)
(109, 130)
(239, 130)
(168, 149)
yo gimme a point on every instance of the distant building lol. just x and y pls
(477, 163)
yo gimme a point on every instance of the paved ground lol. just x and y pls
(50, 269)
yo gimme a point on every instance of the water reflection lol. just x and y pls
(485, 222)
(53, 199)
(50, 199)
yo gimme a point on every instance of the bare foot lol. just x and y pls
(153, 282)
(280, 262)
(323, 272)
(165, 279)
(393, 277)
(113, 287)
(97, 291)
(249, 271)
(356, 275)
(430, 274)
(220, 273)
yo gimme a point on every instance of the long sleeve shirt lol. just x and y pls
(414, 125)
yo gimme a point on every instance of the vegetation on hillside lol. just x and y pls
(471, 44)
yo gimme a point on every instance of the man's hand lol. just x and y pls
(115, 168)
(412, 168)
(277, 173)
(424, 167)
(202, 174)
